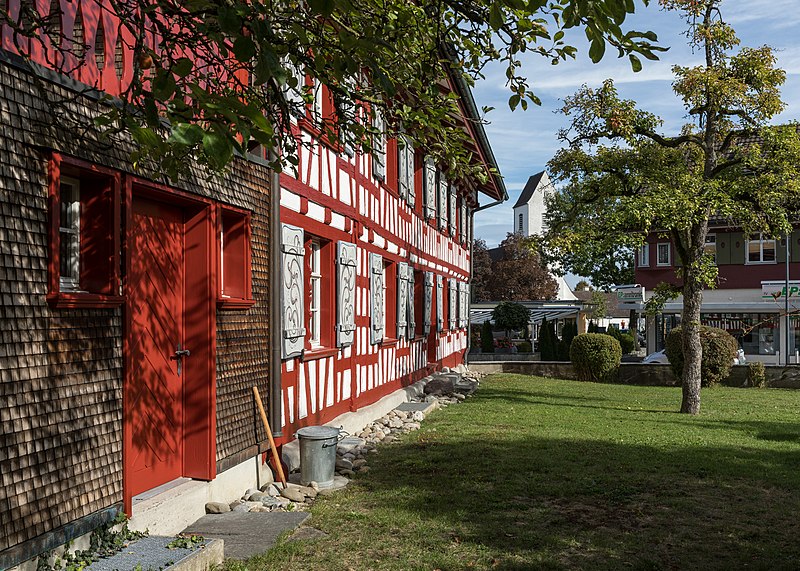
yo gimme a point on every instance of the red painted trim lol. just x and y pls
(127, 435)
(201, 279)
(315, 354)
(235, 304)
(303, 205)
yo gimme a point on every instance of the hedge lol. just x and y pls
(595, 356)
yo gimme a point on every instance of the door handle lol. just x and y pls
(179, 355)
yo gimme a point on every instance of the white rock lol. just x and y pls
(417, 416)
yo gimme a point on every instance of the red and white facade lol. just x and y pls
(375, 273)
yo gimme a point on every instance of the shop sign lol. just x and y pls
(630, 294)
(775, 290)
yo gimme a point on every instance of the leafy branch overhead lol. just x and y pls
(213, 77)
(623, 178)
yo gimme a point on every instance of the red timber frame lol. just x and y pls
(201, 255)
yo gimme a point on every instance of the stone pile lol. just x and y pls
(451, 386)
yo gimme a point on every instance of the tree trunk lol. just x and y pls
(692, 348)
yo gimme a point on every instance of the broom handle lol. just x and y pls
(269, 435)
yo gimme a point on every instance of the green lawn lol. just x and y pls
(533, 473)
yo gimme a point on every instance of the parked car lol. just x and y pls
(660, 358)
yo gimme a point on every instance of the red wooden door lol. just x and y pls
(154, 399)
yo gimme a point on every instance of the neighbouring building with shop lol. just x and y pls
(750, 299)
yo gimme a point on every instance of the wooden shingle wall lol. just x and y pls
(61, 370)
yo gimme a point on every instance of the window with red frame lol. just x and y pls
(320, 288)
(389, 300)
(84, 235)
(419, 303)
(235, 284)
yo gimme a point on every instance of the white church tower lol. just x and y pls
(529, 213)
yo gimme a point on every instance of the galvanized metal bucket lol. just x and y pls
(318, 454)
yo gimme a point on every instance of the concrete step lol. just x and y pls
(153, 552)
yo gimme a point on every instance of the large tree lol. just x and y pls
(727, 163)
(519, 274)
(481, 271)
(604, 266)
(211, 77)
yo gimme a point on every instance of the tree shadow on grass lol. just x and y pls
(583, 504)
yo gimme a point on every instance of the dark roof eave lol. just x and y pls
(471, 109)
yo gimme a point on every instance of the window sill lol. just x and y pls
(389, 342)
(235, 303)
(319, 353)
(78, 300)
(768, 263)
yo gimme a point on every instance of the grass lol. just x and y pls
(533, 473)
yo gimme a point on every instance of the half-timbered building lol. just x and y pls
(137, 313)
(376, 268)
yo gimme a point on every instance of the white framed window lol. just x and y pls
(760, 250)
(69, 232)
(315, 282)
(663, 254)
(644, 255)
(710, 247)
(385, 296)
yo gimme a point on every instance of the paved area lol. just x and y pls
(247, 533)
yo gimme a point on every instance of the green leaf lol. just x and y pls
(495, 16)
(229, 20)
(217, 148)
(323, 7)
(163, 85)
(513, 101)
(636, 63)
(244, 49)
(146, 136)
(187, 134)
(182, 67)
(597, 49)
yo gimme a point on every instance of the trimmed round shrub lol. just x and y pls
(627, 342)
(719, 350)
(525, 347)
(595, 357)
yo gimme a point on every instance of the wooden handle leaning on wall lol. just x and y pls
(269, 435)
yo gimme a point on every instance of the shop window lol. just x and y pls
(663, 253)
(235, 288)
(84, 236)
(644, 255)
(760, 250)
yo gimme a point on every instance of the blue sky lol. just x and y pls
(523, 141)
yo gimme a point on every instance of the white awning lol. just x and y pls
(478, 316)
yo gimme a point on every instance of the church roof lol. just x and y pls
(529, 189)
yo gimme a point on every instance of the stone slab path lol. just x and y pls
(246, 533)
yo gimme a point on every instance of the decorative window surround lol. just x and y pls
(235, 287)
(88, 276)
